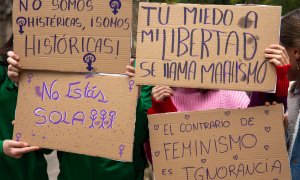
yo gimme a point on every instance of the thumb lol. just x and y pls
(24, 150)
(17, 144)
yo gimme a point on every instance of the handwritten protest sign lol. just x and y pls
(78, 113)
(206, 46)
(73, 35)
(220, 144)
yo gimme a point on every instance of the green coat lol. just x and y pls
(31, 166)
(81, 167)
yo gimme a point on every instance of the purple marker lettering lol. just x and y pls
(36, 112)
(91, 93)
(102, 117)
(69, 95)
(102, 99)
(81, 119)
(51, 95)
(112, 117)
(86, 90)
(55, 114)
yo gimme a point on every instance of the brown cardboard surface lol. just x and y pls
(56, 35)
(228, 144)
(78, 113)
(201, 46)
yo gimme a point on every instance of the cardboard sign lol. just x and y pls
(78, 113)
(73, 35)
(220, 144)
(206, 46)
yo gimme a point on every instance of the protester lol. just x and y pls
(28, 165)
(290, 39)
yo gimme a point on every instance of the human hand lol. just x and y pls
(16, 149)
(277, 55)
(160, 93)
(130, 70)
(14, 67)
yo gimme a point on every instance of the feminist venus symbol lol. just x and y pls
(29, 75)
(115, 5)
(21, 21)
(89, 59)
(18, 136)
(121, 148)
(131, 83)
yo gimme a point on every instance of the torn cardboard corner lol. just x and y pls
(78, 113)
(89, 36)
(220, 144)
(207, 46)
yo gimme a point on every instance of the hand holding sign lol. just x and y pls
(16, 149)
(160, 93)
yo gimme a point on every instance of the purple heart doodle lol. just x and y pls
(187, 117)
(227, 113)
(157, 153)
(267, 129)
(266, 147)
(267, 112)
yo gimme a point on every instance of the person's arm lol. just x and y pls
(162, 106)
(282, 84)
(277, 56)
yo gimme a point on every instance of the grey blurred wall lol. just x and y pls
(5, 20)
